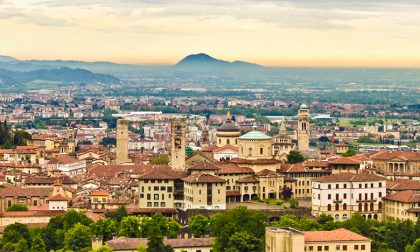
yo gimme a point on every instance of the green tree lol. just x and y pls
(240, 219)
(172, 229)
(103, 248)
(38, 243)
(349, 153)
(155, 239)
(293, 203)
(20, 137)
(118, 214)
(78, 238)
(16, 232)
(72, 217)
(244, 242)
(160, 160)
(54, 233)
(130, 227)
(104, 229)
(199, 225)
(17, 208)
(294, 157)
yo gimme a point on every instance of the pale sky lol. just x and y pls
(268, 32)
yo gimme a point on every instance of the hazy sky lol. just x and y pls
(268, 32)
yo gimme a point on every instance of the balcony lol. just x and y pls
(366, 200)
(338, 201)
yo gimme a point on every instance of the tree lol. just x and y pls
(17, 208)
(244, 242)
(199, 225)
(108, 141)
(54, 233)
(72, 217)
(77, 238)
(294, 157)
(16, 233)
(293, 203)
(287, 192)
(38, 243)
(241, 219)
(21, 137)
(130, 227)
(349, 153)
(104, 229)
(188, 151)
(160, 160)
(155, 239)
(103, 248)
(172, 229)
(118, 214)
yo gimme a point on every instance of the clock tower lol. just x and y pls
(178, 130)
(303, 128)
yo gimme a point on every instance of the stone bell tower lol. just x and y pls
(303, 128)
(121, 136)
(178, 130)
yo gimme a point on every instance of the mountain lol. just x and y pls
(64, 74)
(204, 62)
(7, 59)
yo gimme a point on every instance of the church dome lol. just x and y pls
(228, 126)
(254, 135)
(303, 106)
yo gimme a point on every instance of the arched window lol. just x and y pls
(366, 207)
(360, 207)
(344, 206)
(344, 216)
(380, 205)
(337, 217)
(337, 207)
(372, 206)
(329, 207)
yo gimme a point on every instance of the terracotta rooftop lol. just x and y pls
(408, 196)
(107, 171)
(400, 155)
(31, 213)
(164, 173)
(14, 191)
(340, 234)
(63, 159)
(265, 172)
(58, 198)
(102, 193)
(346, 161)
(229, 168)
(203, 178)
(316, 164)
(203, 166)
(232, 193)
(249, 179)
(403, 184)
(299, 167)
(349, 177)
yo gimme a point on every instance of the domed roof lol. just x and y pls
(255, 135)
(229, 126)
(303, 106)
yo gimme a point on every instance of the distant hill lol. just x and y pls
(204, 61)
(64, 74)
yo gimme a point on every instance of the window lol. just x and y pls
(311, 248)
(156, 196)
(162, 188)
(356, 247)
(326, 248)
(162, 204)
(329, 196)
(141, 196)
(345, 186)
(319, 248)
(329, 186)
(149, 204)
(156, 204)
(371, 185)
(344, 206)
(337, 247)
(148, 196)
(344, 247)
(337, 186)
(169, 188)
(360, 185)
(345, 196)
(380, 184)
(380, 194)
(362, 247)
(329, 207)
(156, 188)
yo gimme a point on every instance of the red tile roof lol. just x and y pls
(164, 173)
(249, 179)
(257, 161)
(346, 161)
(409, 196)
(337, 235)
(229, 168)
(13, 191)
(63, 159)
(100, 193)
(403, 184)
(32, 213)
(125, 243)
(58, 198)
(203, 178)
(401, 155)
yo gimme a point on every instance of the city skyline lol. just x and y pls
(270, 33)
